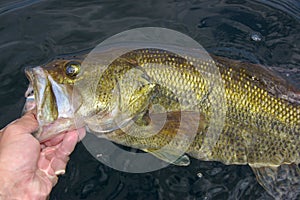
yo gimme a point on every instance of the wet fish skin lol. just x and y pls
(262, 125)
(262, 116)
(261, 121)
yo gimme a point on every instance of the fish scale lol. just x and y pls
(251, 109)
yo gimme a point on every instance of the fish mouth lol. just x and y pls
(52, 102)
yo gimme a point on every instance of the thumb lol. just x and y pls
(24, 125)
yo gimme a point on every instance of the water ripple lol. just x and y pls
(40, 30)
(13, 6)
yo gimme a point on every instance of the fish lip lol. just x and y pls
(38, 82)
(30, 95)
(30, 103)
(35, 76)
(57, 119)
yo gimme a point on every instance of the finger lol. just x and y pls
(54, 141)
(28, 121)
(81, 134)
(44, 165)
(63, 149)
(59, 165)
(24, 125)
(45, 168)
(51, 163)
(68, 144)
(57, 139)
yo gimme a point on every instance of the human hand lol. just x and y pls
(28, 169)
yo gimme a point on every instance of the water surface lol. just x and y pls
(35, 31)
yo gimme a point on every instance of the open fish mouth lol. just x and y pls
(52, 101)
(30, 99)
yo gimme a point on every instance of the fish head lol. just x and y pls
(69, 94)
(50, 93)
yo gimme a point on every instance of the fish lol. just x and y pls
(229, 111)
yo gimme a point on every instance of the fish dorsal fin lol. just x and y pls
(263, 77)
(282, 182)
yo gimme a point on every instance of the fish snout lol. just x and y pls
(52, 101)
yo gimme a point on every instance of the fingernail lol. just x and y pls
(60, 172)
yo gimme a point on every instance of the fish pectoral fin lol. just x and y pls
(133, 92)
(170, 156)
(140, 98)
(282, 182)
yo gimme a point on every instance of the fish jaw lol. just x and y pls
(52, 101)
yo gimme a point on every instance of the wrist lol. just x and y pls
(7, 185)
(14, 188)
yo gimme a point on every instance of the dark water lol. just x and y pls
(33, 32)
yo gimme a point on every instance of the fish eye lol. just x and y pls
(72, 69)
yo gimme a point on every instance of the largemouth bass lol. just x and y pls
(261, 122)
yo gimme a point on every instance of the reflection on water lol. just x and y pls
(34, 32)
